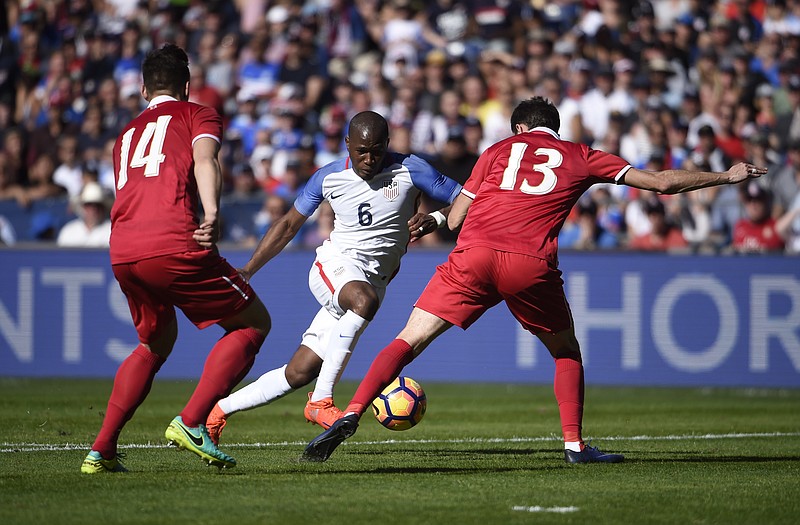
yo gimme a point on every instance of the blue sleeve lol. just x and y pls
(311, 196)
(430, 181)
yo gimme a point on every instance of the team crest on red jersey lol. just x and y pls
(391, 189)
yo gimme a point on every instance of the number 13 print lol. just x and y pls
(554, 159)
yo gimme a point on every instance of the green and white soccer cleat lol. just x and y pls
(95, 464)
(197, 440)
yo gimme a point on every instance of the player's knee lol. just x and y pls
(299, 376)
(264, 324)
(364, 301)
(359, 297)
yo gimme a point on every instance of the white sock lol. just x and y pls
(343, 339)
(574, 446)
(264, 390)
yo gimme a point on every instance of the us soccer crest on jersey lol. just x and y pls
(391, 189)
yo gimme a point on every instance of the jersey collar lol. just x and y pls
(161, 99)
(546, 130)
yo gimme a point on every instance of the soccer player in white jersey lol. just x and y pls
(374, 194)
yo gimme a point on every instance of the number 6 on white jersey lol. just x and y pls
(554, 159)
(153, 135)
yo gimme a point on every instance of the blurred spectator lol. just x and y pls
(756, 231)
(10, 189)
(115, 116)
(256, 77)
(455, 160)
(261, 164)
(784, 181)
(342, 29)
(40, 181)
(273, 209)
(706, 153)
(473, 135)
(787, 126)
(221, 64)
(291, 183)
(203, 93)
(332, 147)
(13, 150)
(695, 219)
(451, 25)
(765, 113)
(788, 227)
(621, 99)
(99, 65)
(92, 228)
(69, 172)
(400, 35)
(729, 143)
(302, 70)
(43, 140)
(696, 116)
(585, 232)
(245, 124)
(663, 236)
(435, 79)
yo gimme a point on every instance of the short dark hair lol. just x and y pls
(166, 69)
(536, 112)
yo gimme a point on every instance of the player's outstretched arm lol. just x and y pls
(678, 181)
(275, 240)
(458, 211)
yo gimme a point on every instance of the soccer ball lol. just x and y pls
(401, 405)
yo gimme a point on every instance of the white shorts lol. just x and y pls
(330, 272)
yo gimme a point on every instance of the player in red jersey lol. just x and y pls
(163, 256)
(518, 196)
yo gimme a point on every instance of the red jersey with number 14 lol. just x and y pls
(156, 207)
(525, 186)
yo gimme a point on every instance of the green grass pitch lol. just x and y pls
(483, 454)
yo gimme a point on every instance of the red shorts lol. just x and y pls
(202, 284)
(476, 279)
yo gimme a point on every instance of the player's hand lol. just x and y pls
(745, 170)
(244, 274)
(207, 234)
(421, 224)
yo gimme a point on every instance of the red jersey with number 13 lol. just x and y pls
(156, 207)
(525, 186)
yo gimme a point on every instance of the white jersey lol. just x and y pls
(371, 216)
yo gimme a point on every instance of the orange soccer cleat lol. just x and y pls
(323, 412)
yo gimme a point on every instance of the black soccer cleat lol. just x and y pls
(591, 455)
(321, 447)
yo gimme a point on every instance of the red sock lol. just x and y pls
(568, 387)
(386, 366)
(131, 386)
(227, 364)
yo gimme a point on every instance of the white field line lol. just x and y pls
(6, 447)
(537, 508)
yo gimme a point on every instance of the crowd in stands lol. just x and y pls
(663, 83)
